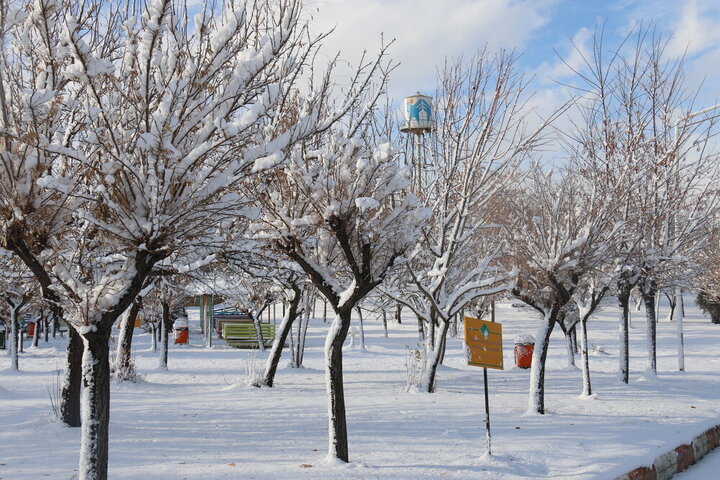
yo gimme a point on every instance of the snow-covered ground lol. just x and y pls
(706, 469)
(200, 421)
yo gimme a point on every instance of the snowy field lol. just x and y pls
(200, 421)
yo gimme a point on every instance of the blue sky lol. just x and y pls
(427, 31)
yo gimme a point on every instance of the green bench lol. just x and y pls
(241, 335)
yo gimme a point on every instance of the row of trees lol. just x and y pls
(143, 143)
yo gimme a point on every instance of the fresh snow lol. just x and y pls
(198, 420)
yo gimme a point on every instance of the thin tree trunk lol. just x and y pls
(421, 330)
(398, 314)
(672, 301)
(302, 335)
(649, 299)
(164, 327)
(337, 424)
(573, 339)
(38, 326)
(623, 354)
(72, 380)
(570, 350)
(537, 370)
(680, 334)
(153, 333)
(442, 345)
(14, 339)
(46, 331)
(585, 357)
(258, 329)
(96, 406)
(279, 342)
(362, 328)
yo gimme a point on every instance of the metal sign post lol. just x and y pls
(484, 342)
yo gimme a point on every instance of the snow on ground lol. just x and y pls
(200, 421)
(706, 469)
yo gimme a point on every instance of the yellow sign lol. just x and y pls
(484, 341)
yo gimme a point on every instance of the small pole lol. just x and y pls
(487, 412)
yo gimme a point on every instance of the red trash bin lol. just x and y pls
(180, 329)
(31, 329)
(524, 347)
(181, 335)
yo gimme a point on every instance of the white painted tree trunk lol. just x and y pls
(14, 339)
(623, 334)
(651, 334)
(585, 357)
(124, 325)
(163, 359)
(153, 327)
(679, 324)
(434, 347)
(362, 328)
(536, 400)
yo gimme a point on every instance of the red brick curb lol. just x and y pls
(668, 464)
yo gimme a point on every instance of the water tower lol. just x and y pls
(419, 124)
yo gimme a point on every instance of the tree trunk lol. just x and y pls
(570, 350)
(362, 328)
(421, 330)
(585, 358)
(38, 329)
(672, 301)
(337, 425)
(124, 347)
(302, 335)
(258, 329)
(453, 332)
(72, 380)
(537, 371)
(46, 331)
(680, 314)
(398, 314)
(573, 339)
(649, 299)
(14, 339)
(433, 354)
(96, 406)
(623, 350)
(384, 323)
(280, 339)
(153, 333)
(164, 327)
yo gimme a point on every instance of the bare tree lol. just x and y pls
(635, 133)
(560, 232)
(482, 137)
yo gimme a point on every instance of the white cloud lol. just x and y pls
(427, 31)
(697, 28)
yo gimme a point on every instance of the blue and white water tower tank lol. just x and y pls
(418, 114)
